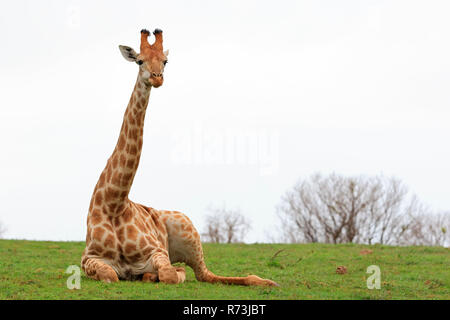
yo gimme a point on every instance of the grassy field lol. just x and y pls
(36, 270)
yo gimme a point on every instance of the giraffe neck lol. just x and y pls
(113, 187)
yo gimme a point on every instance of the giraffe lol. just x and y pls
(129, 241)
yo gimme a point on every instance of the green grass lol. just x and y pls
(36, 270)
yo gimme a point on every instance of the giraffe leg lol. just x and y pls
(203, 274)
(98, 270)
(166, 272)
(172, 275)
(153, 277)
(185, 246)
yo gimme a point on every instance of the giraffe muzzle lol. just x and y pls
(156, 79)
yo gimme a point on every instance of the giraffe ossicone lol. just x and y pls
(126, 240)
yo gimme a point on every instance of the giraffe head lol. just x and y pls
(151, 60)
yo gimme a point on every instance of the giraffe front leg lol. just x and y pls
(98, 270)
(170, 274)
(166, 272)
(153, 277)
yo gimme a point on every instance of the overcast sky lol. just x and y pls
(257, 94)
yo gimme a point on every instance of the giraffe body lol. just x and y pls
(126, 240)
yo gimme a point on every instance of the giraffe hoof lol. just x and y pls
(253, 280)
(273, 284)
(107, 275)
(168, 275)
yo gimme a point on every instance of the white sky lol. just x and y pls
(257, 94)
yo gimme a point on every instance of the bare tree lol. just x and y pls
(236, 226)
(225, 225)
(214, 229)
(338, 209)
(430, 229)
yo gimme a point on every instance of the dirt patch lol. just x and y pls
(341, 270)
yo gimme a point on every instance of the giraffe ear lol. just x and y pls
(166, 53)
(128, 53)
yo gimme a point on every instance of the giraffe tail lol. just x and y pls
(203, 274)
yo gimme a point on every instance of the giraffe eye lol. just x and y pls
(139, 62)
(165, 62)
